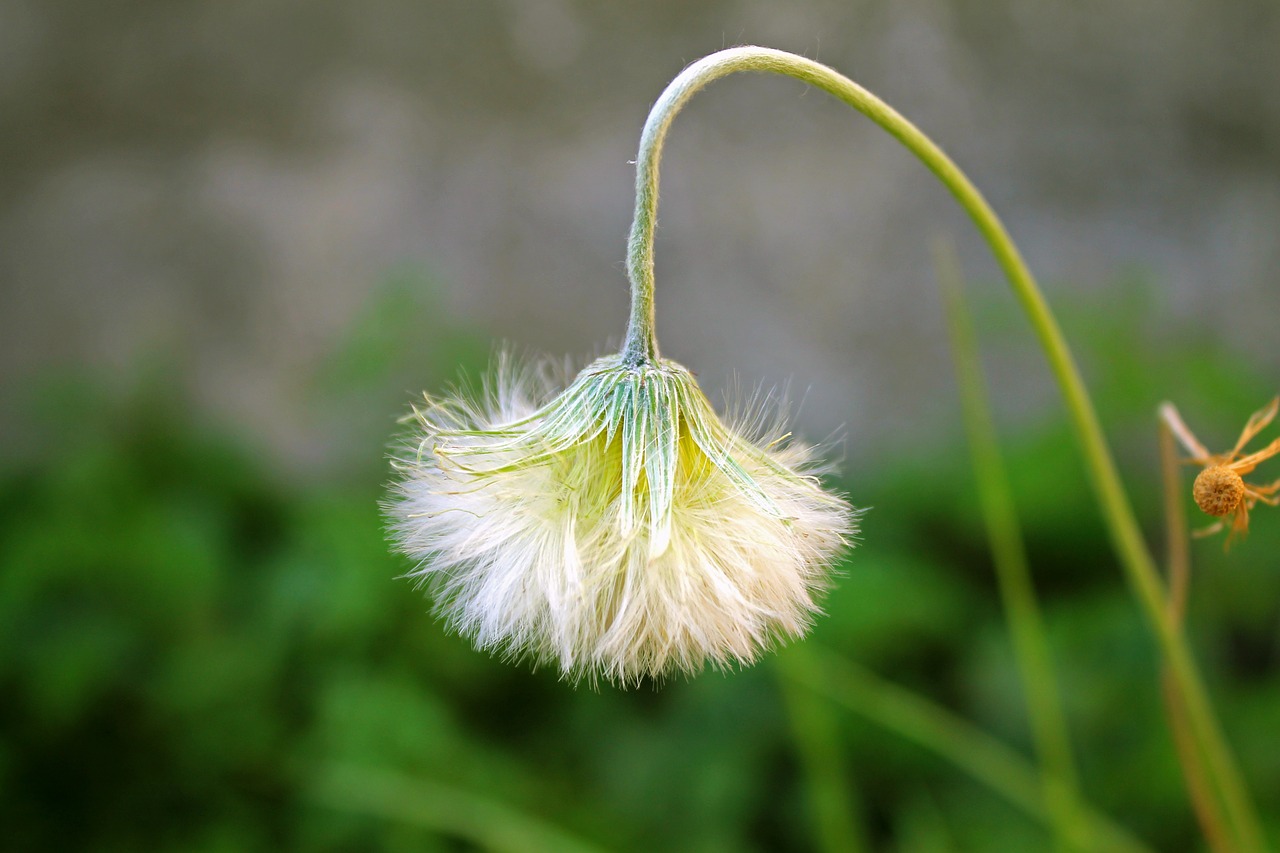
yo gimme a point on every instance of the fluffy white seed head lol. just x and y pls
(617, 529)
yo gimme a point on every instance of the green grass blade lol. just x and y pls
(1017, 592)
(440, 808)
(833, 801)
(915, 718)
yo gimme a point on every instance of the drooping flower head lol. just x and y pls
(618, 529)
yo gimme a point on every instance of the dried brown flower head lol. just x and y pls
(1220, 489)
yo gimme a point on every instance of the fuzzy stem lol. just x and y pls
(1126, 536)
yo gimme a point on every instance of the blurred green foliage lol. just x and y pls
(192, 642)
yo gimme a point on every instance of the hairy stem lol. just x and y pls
(1139, 566)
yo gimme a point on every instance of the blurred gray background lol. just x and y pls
(221, 188)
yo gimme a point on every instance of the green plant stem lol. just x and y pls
(1175, 520)
(917, 719)
(1126, 537)
(1017, 593)
(832, 801)
(440, 808)
(1203, 801)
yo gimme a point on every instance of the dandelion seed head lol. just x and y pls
(617, 529)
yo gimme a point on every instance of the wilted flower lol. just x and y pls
(1219, 489)
(618, 528)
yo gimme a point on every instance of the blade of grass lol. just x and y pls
(833, 803)
(915, 718)
(926, 828)
(433, 806)
(1017, 593)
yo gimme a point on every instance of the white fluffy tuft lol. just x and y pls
(618, 529)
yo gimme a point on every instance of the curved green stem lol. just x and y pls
(1139, 566)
